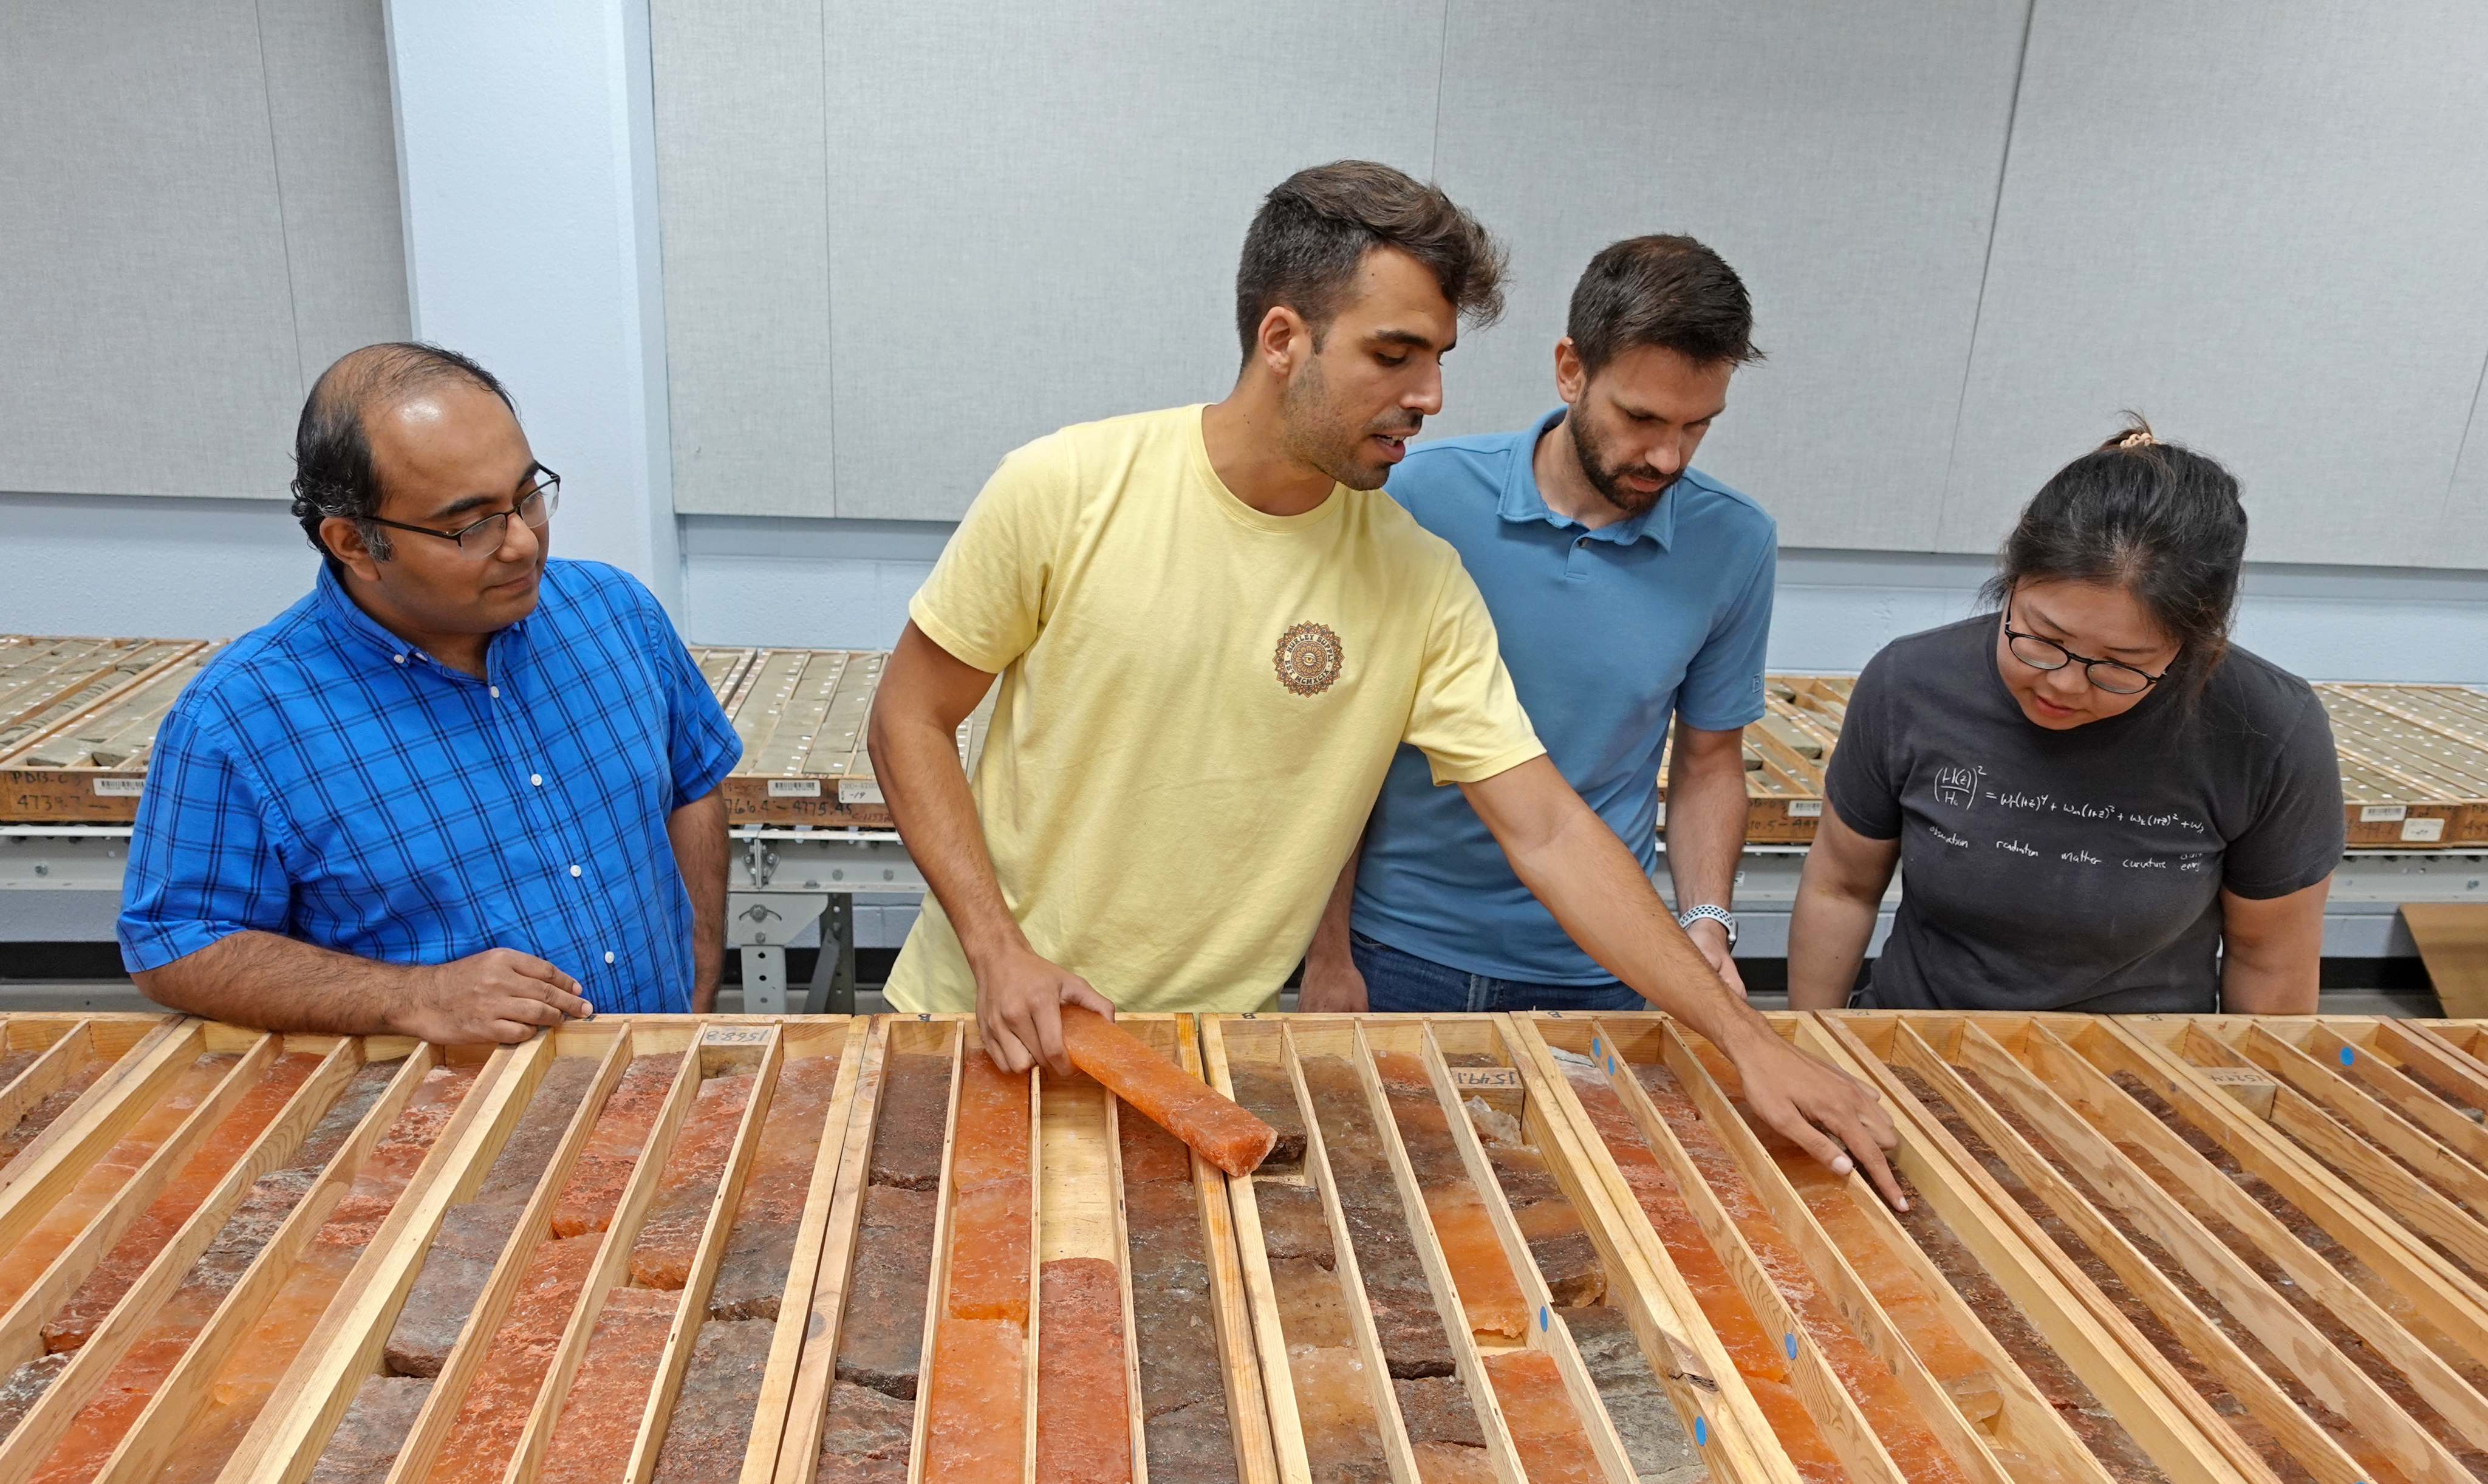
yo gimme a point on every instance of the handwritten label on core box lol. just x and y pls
(1486, 1078)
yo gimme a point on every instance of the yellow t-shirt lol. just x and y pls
(1198, 704)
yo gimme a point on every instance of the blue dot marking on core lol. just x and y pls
(1541, 1319)
(1593, 1045)
(1611, 1066)
(1790, 1342)
(1701, 1432)
(2348, 1056)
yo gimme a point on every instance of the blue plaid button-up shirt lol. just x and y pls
(324, 779)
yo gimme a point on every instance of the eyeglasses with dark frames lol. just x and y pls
(481, 538)
(2109, 675)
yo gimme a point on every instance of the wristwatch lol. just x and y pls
(1720, 915)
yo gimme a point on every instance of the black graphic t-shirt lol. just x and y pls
(2077, 870)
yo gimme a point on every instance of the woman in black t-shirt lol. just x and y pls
(2095, 801)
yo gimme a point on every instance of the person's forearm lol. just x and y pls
(1596, 891)
(277, 983)
(1330, 946)
(917, 761)
(1828, 931)
(699, 831)
(1705, 830)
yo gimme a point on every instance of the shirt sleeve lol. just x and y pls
(1723, 686)
(1467, 720)
(701, 746)
(2299, 830)
(1863, 780)
(203, 860)
(985, 601)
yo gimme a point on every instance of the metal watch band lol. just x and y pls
(1720, 915)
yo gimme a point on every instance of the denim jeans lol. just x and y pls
(1396, 980)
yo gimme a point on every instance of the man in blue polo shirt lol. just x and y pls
(1627, 588)
(458, 791)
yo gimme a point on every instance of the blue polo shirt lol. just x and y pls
(1607, 633)
(326, 781)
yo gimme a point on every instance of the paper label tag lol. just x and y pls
(2422, 830)
(794, 788)
(119, 787)
(1805, 808)
(1662, 815)
(1496, 1078)
(2382, 813)
(858, 792)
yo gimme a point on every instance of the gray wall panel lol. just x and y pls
(147, 309)
(1034, 211)
(2263, 226)
(336, 174)
(1844, 159)
(2462, 530)
(742, 166)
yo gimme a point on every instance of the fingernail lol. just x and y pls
(1842, 1165)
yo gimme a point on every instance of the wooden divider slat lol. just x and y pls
(1262, 1299)
(1466, 1360)
(1666, 1318)
(829, 1200)
(1248, 1404)
(953, 1040)
(21, 1327)
(295, 1425)
(1834, 1411)
(104, 1347)
(2061, 1095)
(98, 1124)
(1858, 1307)
(2449, 1299)
(1396, 1452)
(817, 1307)
(611, 1267)
(1550, 1334)
(2173, 1423)
(152, 1436)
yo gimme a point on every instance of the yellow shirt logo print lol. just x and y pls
(1308, 659)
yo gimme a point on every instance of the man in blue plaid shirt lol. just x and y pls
(458, 791)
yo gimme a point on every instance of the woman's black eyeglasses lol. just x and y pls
(2108, 675)
(478, 539)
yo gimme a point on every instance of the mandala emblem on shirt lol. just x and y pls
(1308, 659)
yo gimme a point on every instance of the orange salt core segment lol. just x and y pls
(494, 1415)
(594, 1190)
(249, 1377)
(1481, 1272)
(600, 1415)
(215, 1156)
(33, 1253)
(1225, 1135)
(1756, 1353)
(669, 1237)
(975, 1421)
(992, 1135)
(1546, 1433)
(1083, 1425)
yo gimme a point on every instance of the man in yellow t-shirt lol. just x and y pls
(1213, 630)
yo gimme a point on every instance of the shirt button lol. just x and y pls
(608, 956)
(574, 871)
(496, 690)
(401, 659)
(536, 779)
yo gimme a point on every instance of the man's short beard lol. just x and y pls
(1609, 482)
(1315, 435)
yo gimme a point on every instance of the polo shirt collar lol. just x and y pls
(1521, 503)
(345, 617)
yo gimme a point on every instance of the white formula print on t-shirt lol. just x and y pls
(1958, 786)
